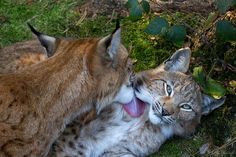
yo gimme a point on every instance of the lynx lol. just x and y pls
(175, 105)
(36, 103)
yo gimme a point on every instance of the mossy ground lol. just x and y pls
(58, 18)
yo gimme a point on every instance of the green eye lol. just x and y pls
(168, 89)
(186, 107)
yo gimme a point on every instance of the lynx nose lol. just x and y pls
(164, 112)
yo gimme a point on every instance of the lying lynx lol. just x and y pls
(175, 106)
(24, 54)
(21, 55)
(37, 102)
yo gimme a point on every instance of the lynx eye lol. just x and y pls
(186, 107)
(168, 89)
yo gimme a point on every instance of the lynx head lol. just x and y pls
(105, 59)
(113, 68)
(174, 96)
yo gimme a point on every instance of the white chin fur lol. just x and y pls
(153, 118)
(125, 94)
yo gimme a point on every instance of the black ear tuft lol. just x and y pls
(46, 41)
(108, 41)
(34, 30)
(112, 44)
(117, 25)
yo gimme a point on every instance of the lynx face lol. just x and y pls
(172, 95)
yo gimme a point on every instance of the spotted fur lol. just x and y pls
(166, 90)
(21, 55)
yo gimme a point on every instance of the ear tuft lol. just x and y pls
(179, 61)
(111, 43)
(34, 30)
(112, 49)
(210, 104)
(46, 41)
(117, 25)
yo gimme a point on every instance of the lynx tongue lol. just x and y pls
(135, 108)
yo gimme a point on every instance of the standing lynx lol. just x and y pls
(37, 102)
(175, 106)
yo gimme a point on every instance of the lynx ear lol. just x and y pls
(210, 104)
(179, 61)
(46, 41)
(112, 43)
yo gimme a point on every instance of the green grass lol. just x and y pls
(58, 18)
(53, 17)
(179, 146)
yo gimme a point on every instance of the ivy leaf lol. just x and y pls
(136, 12)
(146, 6)
(225, 31)
(132, 3)
(224, 5)
(234, 3)
(214, 88)
(208, 85)
(176, 34)
(199, 76)
(156, 26)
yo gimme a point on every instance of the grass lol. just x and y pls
(58, 18)
(53, 17)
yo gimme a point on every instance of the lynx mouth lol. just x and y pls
(135, 108)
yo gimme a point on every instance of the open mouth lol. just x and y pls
(135, 108)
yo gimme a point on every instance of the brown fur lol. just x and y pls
(37, 103)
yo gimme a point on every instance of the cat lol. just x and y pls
(36, 103)
(175, 105)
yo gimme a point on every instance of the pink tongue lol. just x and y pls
(135, 108)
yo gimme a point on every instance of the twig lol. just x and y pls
(229, 66)
(112, 17)
(33, 18)
(81, 18)
(212, 67)
(222, 147)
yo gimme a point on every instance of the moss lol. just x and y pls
(179, 146)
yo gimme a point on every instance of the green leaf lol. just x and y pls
(233, 3)
(146, 6)
(136, 12)
(199, 76)
(132, 3)
(156, 26)
(211, 18)
(224, 5)
(176, 34)
(225, 31)
(214, 89)
(208, 85)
